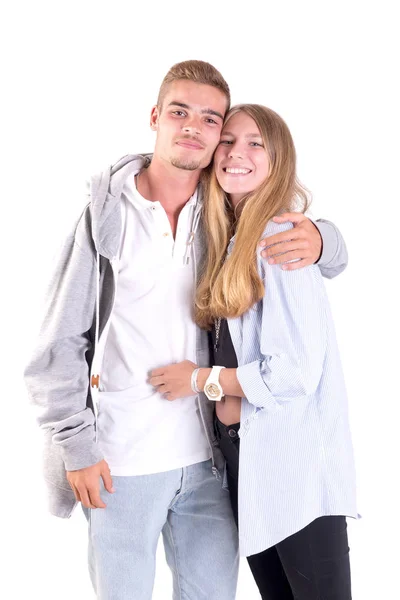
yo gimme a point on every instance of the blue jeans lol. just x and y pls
(191, 510)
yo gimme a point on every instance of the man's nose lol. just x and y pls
(192, 127)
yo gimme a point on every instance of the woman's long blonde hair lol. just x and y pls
(228, 288)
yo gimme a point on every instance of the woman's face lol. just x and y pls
(241, 162)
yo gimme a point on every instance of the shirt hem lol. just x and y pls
(249, 548)
(130, 470)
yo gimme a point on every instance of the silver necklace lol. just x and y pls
(217, 323)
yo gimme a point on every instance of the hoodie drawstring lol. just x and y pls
(189, 243)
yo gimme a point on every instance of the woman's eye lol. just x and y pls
(226, 142)
(256, 144)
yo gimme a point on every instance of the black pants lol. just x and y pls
(312, 564)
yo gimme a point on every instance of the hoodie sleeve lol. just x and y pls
(334, 258)
(293, 336)
(57, 377)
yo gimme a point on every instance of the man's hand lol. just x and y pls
(174, 381)
(302, 243)
(85, 484)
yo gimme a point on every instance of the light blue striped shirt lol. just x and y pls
(296, 456)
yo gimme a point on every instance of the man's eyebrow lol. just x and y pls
(205, 111)
(176, 103)
(248, 135)
(210, 111)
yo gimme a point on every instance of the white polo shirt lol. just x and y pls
(151, 326)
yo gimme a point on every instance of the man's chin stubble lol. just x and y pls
(185, 165)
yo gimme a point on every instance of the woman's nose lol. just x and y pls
(236, 152)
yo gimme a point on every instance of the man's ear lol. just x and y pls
(154, 118)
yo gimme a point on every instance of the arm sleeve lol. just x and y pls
(57, 376)
(293, 338)
(334, 257)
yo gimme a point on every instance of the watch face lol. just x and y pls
(213, 390)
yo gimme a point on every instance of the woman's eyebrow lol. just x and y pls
(248, 135)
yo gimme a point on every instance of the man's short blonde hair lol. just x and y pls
(198, 72)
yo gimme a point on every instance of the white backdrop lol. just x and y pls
(78, 80)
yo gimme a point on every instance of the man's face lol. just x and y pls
(189, 124)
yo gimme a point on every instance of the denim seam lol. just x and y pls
(175, 558)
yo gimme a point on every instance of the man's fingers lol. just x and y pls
(84, 495)
(297, 265)
(294, 233)
(293, 255)
(74, 489)
(95, 498)
(274, 251)
(293, 217)
(107, 480)
(283, 236)
(76, 493)
(278, 238)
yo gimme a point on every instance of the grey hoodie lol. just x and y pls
(58, 375)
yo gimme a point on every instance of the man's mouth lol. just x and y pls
(191, 144)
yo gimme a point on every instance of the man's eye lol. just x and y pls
(178, 112)
(209, 120)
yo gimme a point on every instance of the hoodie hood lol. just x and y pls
(105, 193)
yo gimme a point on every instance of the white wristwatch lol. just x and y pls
(212, 387)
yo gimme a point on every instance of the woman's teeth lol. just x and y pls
(237, 171)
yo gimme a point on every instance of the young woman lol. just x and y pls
(280, 399)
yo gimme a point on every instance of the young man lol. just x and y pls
(120, 306)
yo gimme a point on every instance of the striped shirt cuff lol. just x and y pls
(253, 385)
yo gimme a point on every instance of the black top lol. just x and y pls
(224, 354)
